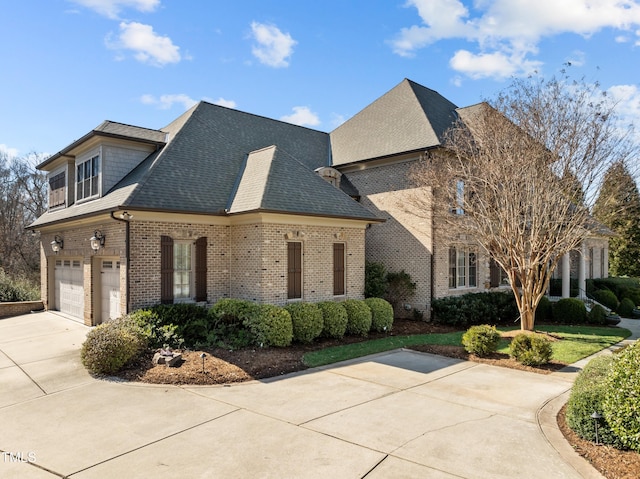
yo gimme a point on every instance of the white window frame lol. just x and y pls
(179, 270)
(460, 269)
(95, 183)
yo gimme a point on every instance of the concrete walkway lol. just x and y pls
(400, 414)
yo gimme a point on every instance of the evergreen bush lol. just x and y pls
(494, 307)
(358, 317)
(530, 349)
(570, 311)
(307, 321)
(544, 309)
(606, 297)
(375, 280)
(481, 340)
(587, 395)
(381, 314)
(111, 345)
(191, 320)
(270, 326)
(334, 318)
(625, 308)
(597, 315)
(621, 402)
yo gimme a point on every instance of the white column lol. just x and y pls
(582, 277)
(566, 275)
(605, 272)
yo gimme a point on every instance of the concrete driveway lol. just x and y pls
(400, 414)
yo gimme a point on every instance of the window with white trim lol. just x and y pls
(182, 270)
(463, 267)
(88, 178)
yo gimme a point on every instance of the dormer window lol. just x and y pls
(87, 178)
(57, 189)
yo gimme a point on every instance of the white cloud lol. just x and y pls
(6, 150)
(112, 8)
(222, 102)
(273, 48)
(302, 116)
(148, 46)
(337, 120)
(494, 65)
(164, 102)
(507, 31)
(627, 98)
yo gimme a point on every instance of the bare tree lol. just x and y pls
(22, 199)
(519, 177)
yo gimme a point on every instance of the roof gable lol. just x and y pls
(408, 118)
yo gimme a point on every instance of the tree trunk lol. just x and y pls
(527, 319)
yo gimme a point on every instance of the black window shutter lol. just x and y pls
(294, 250)
(201, 269)
(338, 269)
(166, 270)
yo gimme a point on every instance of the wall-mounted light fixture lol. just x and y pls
(97, 241)
(125, 215)
(57, 244)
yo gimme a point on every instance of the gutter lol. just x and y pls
(125, 218)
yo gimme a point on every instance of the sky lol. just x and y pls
(68, 65)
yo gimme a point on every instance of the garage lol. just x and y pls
(69, 288)
(110, 289)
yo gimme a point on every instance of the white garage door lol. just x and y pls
(110, 289)
(69, 289)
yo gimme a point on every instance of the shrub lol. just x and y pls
(530, 349)
(606, 297)
(481, 340)
(232, 311)
(307, 321)
(381, 314)
(111, 345)
(13, 289)
(497, 307)
(597, 315)
(375, 280)
(620, 404)
(543, 311)
(358, 317)
(625, 308)
(191, 320)
(271, 326)
(156, 334)
(617, 284)
(335, 319)
(227, 318)
(570, 311)
(633, 295)
(587, 395)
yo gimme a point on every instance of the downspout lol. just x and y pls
(127, 251)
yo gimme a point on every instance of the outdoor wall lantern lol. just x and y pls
(57, 244)
(97, 241)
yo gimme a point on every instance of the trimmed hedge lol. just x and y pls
(271, 326)
(358, 317)
(544, 310)
(476, 308)
(625, 308)
(191, 320)
(111, 345)
(381, 314)
(587, 395)
(481, 340)
(531, 349)
(307, 321)
(334, 318)
(232, 311)
(621, 403)
(597, 315)
(606, 297)
(570, 311)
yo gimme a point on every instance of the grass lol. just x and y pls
(577, 342)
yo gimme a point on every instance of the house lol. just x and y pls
(222, 203)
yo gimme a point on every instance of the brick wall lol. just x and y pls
(19, 308)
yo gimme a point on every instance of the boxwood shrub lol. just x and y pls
(111, 345)
(621, 403)
(157, 334)
(494, 307)
(191, 320)
(358, 317)
(307, 321)
(544, 309)
(334, 319)
(587, 396)
(232, 311)
(606, 297)
(271, 326)
(597, 315)
(625, 308)
(530, 349)
(381, 314)
(481, 340)
(570, 311)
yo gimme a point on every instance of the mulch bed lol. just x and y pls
(222, 366)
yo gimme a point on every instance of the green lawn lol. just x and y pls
(577, 343)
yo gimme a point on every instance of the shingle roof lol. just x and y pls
(114, 130)
(409, 117)
(202, 169)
